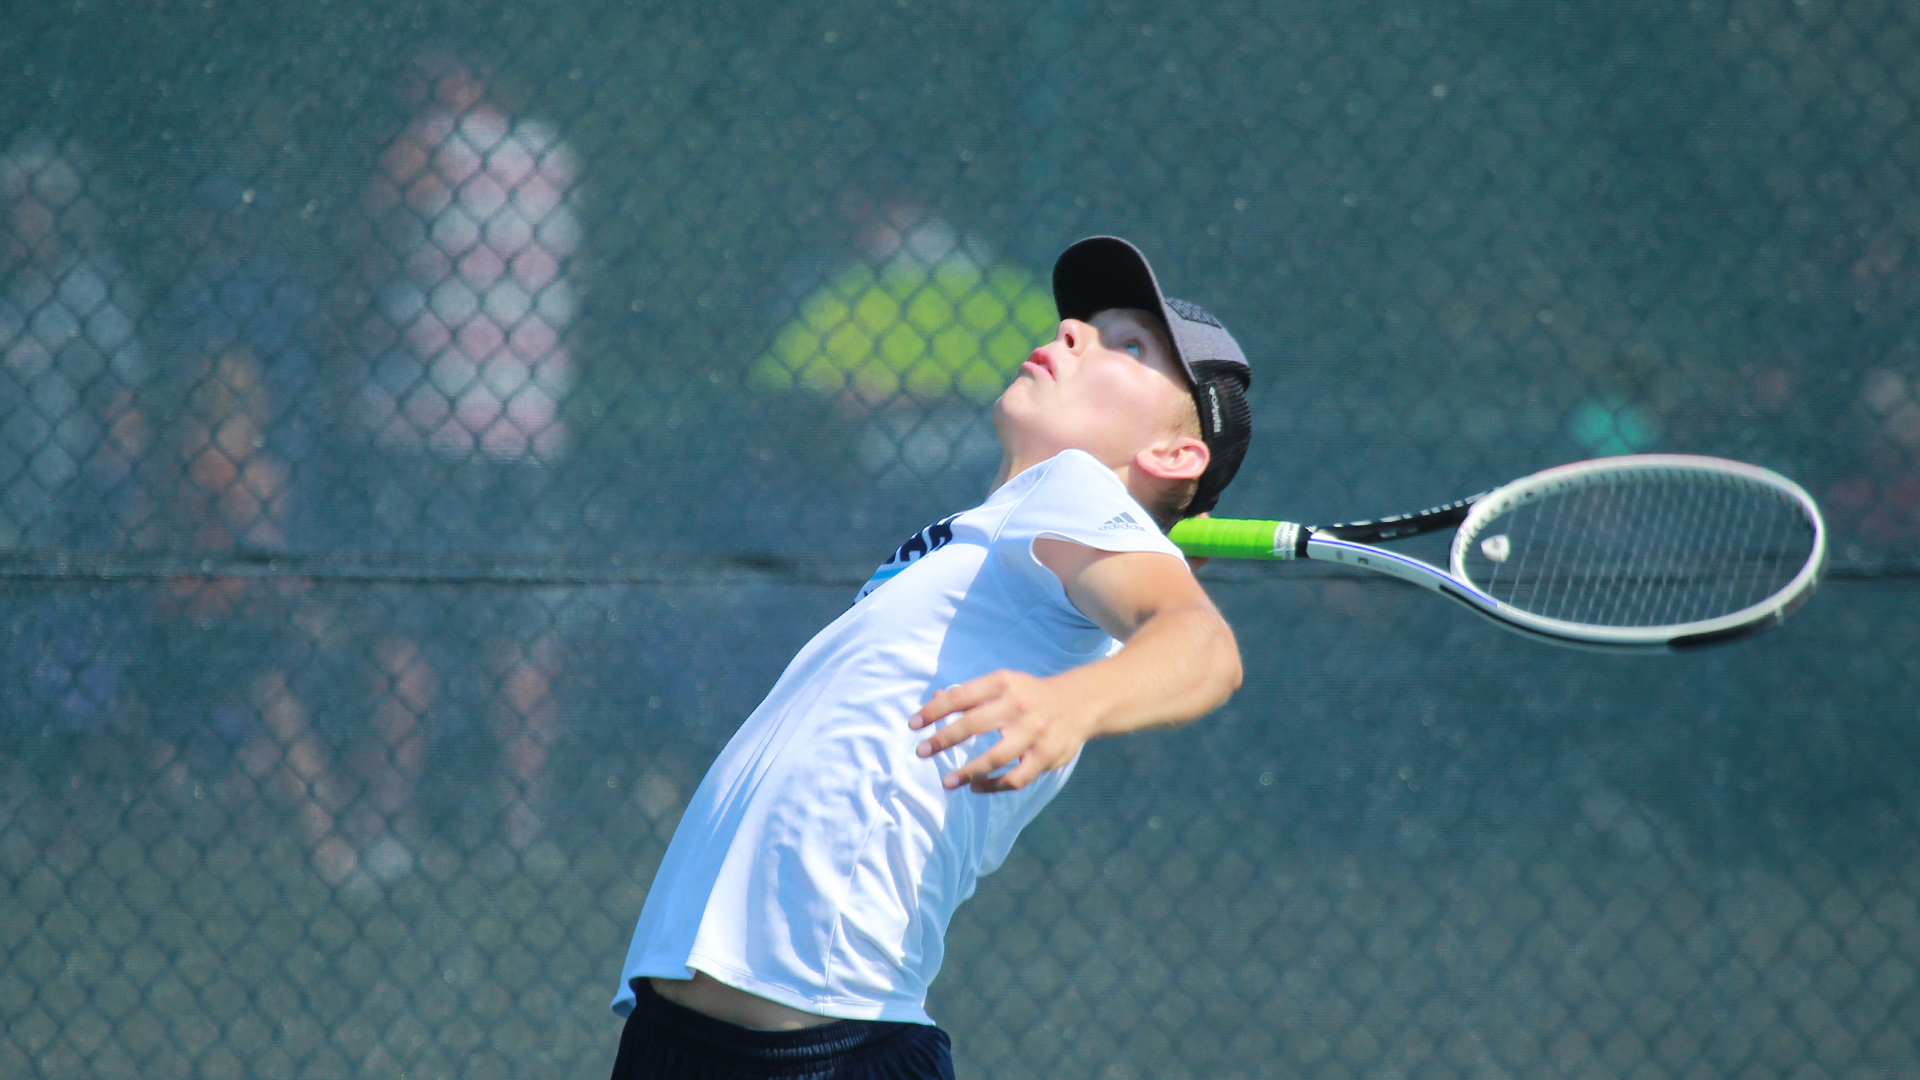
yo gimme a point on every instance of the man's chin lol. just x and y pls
(1005, 425)
(1004, 412)
(1022, 434)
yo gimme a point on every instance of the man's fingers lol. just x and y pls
(1014, 779)
(936, 707)
(974, 721)
(1003, 702)
(957, 699)
(1002, 753)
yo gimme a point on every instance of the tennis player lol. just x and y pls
(798, 917)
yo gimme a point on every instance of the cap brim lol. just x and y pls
(1103, 272)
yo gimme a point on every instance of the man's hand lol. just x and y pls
(1037, 720)
(1179, 662)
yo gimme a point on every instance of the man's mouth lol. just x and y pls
(1039, 365)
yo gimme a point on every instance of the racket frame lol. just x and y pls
(1678, 636)
(1346, 544)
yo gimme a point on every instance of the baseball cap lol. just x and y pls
(1103, 272)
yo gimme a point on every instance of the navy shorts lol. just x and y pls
(664, 1041)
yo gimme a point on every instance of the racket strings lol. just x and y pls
(1702, 509)
(1645, 550)
(1621, 569)
(1623, 606)
(1640, 606)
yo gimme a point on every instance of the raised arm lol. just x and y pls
(1179, 662)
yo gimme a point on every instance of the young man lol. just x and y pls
(797, 919)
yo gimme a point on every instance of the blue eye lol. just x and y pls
(1132, 347)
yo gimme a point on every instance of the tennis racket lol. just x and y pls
(1641, 552)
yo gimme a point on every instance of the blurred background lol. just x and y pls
(427, 428)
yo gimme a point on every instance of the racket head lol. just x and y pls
(1644, 550)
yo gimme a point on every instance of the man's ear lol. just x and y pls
(1182, 457)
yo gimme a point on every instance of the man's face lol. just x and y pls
(1110, 386)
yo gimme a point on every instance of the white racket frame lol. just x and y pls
(1455, 583)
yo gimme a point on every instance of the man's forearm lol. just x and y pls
(1178, 666)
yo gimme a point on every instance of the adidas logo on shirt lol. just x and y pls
(1123, 520)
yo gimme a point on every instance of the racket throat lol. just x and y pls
(1290, 540)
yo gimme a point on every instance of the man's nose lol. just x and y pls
(1075, 335)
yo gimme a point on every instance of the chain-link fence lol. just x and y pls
(427, 428)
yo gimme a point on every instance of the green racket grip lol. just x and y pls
(1228, 538)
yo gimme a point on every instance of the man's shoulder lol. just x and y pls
(1078, 499)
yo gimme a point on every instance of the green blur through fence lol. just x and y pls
(426, 429)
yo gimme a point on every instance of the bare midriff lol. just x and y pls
(709, 996)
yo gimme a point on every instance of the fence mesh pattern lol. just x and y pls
(427, 428)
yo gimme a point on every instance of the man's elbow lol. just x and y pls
(1230, 678)
(1231, 672)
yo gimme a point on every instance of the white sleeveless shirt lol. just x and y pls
(819, 862)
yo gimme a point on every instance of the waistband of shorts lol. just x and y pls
(838, 1041)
